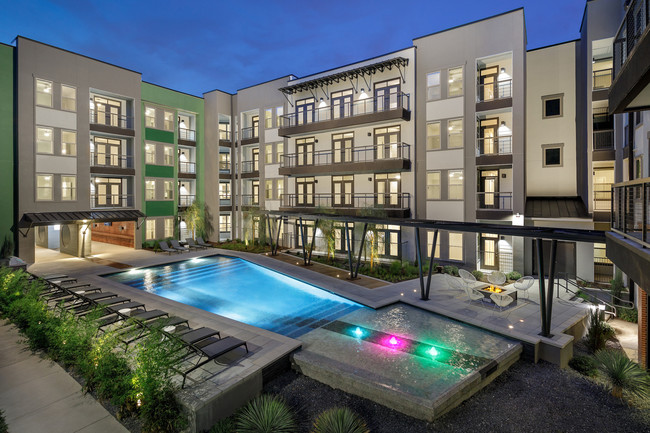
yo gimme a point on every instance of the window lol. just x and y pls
(279, 152)
(224, 161)
(455, 86)
(552, 155)
(279, 111)
(150, 229)
(433, 185)
(68, 143)
(268, 154)
(455, 133)
(638, 167)
(224, 191)
(430, 242)
(433, 135)
(552, 106)
(224, 131)
(44, 187)
(168, 152)
(150, 153)
(168, 125)
(268, 189)
(150, 117)
(150, 190)
(433, 86)
(638, 117)
(68, 98)
(279, 187)
(44, 93)
(169, 227)
(68, 188)
(268, 118)
(455, 191)
(44, 140)
(224, 223)
(455, 246)
(169, 190)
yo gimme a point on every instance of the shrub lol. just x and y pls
(71, 338)
(7, 248)
(451, 270)
(4, 428)
(616, 287)
(598, 331)
(623, 374)
(629, 315)
(339, 420)
(226, 425)
(585, 365)
(396, 267)
(477, 274)
(513, 276)
(266, 414)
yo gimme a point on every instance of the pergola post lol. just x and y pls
(433, 252)
(303, 241)
(348, 243)
(361, 245)
(418, 255)
(551, 285)
(313, 241)
(542, 288)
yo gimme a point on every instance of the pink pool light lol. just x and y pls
(393, 342)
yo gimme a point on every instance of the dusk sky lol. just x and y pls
(198, 46)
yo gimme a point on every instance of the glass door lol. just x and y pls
(488, 134)
(305, 191)
(387, 142)
(305, 151)
(342, 145)
(342, 190)
(305, 111)
(387, 189)
(488, 83)
(256, 159)
(489, 184)
(387, 95)
(341, 104)
(489, 251)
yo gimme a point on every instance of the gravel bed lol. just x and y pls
(526, 398)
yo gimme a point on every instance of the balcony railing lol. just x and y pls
(111, 201)
(111, 160)
(357, 154)
(224, 165)
(492, 91)
(379, 104)
(629, 34)
(494, 201)
(186, 200)
(604, 140)
(603, 197)
(631, 209)
(602, 79)
(350, 200)
(186, 134)
(250, 133)
(250, 200)
(187, 167)
(250, 166)
(494, 146)
(101, 117)
(224, 135)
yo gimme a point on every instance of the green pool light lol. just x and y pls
(358, 332)
(433, 352)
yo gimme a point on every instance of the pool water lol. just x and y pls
(243, 291)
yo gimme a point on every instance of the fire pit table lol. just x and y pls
(488, 289)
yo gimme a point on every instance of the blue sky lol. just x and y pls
(197, 46)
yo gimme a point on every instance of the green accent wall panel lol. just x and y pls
(158, 171)
(160, 208)
(158, 135)
(6, 141)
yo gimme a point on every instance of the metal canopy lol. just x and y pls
(30, 220)
(349, 74)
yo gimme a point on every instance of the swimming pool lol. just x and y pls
(243, 291)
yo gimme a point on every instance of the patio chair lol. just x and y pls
(497, 278)
(191, 244)
(467, 277)
(200, 241)
(501, 300)
(523, 284)
(474, 295)
(175, 245)
(210, 349)
(165, 248)
(455, 283)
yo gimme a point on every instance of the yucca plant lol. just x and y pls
(598, 331)
(266, 414)
(623, 374)
(339, 420)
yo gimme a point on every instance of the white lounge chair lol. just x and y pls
(523, 284)
(455, 283)
(497, 278)
(474, 295)
(467, 277)
(501, 300)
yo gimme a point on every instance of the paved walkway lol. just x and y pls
(37, 395)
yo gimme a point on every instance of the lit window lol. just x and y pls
(150, 153)
(169, 155)
(150, 117)
(68, 143)
(169, 121)
(279, 187)
(68, 188)
(455, 185)
(433, 86)
(279, 152)
(68, 98)
(268, 118)
(224, 161)
(150, 229)
(44, 187)
(552, 155)
(433, 185)
(455, 85)
(268, 189)
(279, 111)
(433, 136)
(455, 133)
(44, 140)
(44, 93)
(150, 190)
(224, 191)
(430, 242)
(455, 246)
(169, 190)
(224, 223)
(268, 154)
(552, 106)
(169, 227)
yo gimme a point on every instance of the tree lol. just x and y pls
(198, 220)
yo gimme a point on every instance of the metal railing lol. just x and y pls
(629, 33)
(631, 209)
(494, 146)
(224, 135)
(391, 101)
(602, 196)
(492, 91)
(102, 117)
(494, 200)
(604, 140)
(250, 166)
(186, 200)
(349, 200)
(250, 132)
(112, 201)
(187, 167)
(111, 160)
(570, 285)
(186, 134)
(224, 165)
(250, 200)
(357, 154)
(602, 79)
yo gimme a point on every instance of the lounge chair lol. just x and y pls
(467, 277)
(201, 242)
(191, 244)
(210, 349)
(501, 300)
(474, 295)
(523, 284)
(497, 278)
(454, 282)
(165, 248)
(175, 245)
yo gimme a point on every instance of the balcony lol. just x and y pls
(386, 158)
(251, 168)
(187, 168)
(186, 137)
(111, 201)
(250, 135)
(105, 121)
(492, 96)
(630, 89)
(395, 106)
(494, 150)
(186, 200)
(603, 145)
(110, 163)
(602, 79)
(250, 200)
(225, 138)
(602, 201)
(493, 205)
(395, 205)
(224, 166)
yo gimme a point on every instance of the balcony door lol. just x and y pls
(305, 191)
(387, 95)
(489, 251)
(305, 151)
(489, 186)
(107, 111)
(305, 111)
(488, 78)
(342, 145)
(108, 192)
(387, 190)
(255, 188)
(488, 133)
(256, 126)
(341, 104)
(107, 152)
(387, 142)
(342, 190)
(256, 158)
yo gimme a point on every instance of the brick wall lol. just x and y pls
(643, 328)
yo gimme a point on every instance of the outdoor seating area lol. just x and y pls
(175, 246)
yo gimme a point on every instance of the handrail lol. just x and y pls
(187, 167)
(568, 281)
(501, 89)
(186, 200)
(502, 145)
(637, 18)
(250, 132)
(602, 79)
(604, 140)
(186, 134)
(103, 117)
(111, 160)
(250, 166)
(112, 200)
(224, 135)
(494, 200)
(349, 200)
(357, 154)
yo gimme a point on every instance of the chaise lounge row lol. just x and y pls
(176, 247)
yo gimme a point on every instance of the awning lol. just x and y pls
(360, 71)
(30, 220)
(555, 207)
